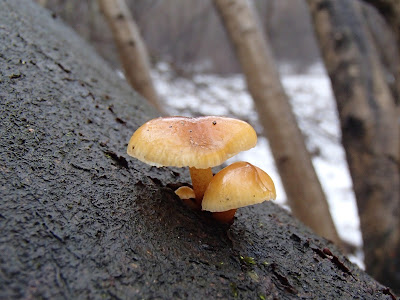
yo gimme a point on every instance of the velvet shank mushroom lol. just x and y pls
(185, 192)
(239, 184)
(187, 195)
(198, 143)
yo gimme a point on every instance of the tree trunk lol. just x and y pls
(131, 48)
(386, 45)
(390, 10)
(370, 130)
(79, 219)
(301, 183)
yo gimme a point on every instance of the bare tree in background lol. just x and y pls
(369, 127)
(387, 46)
(390, 10)
(302, 186)
(42, 2)
(131, 48)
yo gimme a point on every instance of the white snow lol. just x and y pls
(313, 104)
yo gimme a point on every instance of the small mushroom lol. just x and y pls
(239, 184)
(186, 194)
(198, 143)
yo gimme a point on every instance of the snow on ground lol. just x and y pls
(313, 103)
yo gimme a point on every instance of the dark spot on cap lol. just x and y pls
(214, 122)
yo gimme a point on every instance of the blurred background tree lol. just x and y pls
(189, 33)
(303, 189)
(131, 48)
(369, 122)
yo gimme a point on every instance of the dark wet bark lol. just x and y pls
(79, 219)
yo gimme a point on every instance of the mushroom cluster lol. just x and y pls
(200, 144)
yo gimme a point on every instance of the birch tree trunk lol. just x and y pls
(303, 189)
(370, 130)
(131, 48)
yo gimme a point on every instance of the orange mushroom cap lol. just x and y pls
(185, 192)
(201, 142)
(239, 184)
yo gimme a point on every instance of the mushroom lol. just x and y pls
(198, 143)
(187, 194)
(239, 184)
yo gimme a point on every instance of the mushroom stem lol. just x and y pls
(200, 180)
(225, 216)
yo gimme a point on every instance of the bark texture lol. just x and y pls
(385, 42)
(131, 48)
(81, 220)
(370, 130)
(390, 10)
(303, 189)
